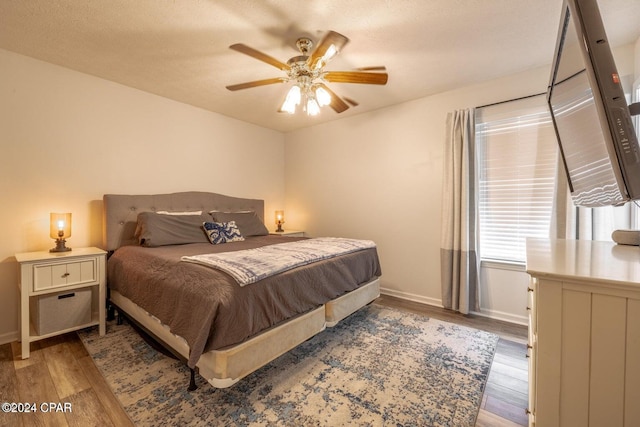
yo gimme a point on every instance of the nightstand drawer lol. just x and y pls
(54, 275)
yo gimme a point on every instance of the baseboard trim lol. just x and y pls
(9, 337)
(412, 297)
(491, 314)
(501, 315)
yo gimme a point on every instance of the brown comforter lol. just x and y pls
(209, 309)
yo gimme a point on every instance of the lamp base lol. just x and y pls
(60, 246)
(279, 229)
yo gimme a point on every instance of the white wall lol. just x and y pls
(637, 59)
(378, 175)
(67, 138)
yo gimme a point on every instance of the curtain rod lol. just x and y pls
(511, 100)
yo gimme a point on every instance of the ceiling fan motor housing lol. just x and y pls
(304, 45)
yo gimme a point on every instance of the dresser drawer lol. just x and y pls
(55, 275)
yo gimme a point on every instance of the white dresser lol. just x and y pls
(584, 333)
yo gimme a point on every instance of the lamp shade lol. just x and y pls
(323, 97)
(312, 107)
(279, 221)
(60, 225)
(292, 99)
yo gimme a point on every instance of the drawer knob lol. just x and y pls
(529, 289)
(65, 275)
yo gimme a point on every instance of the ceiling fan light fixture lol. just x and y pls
(292, 99)
(323, 97)
(313, 109)
(288, 108)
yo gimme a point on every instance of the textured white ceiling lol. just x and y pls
(179, 48)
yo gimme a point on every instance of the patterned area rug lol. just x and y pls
(379, 367)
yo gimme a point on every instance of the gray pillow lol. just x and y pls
(160, 230)
(247, 222)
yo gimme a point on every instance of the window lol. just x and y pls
(517, 154)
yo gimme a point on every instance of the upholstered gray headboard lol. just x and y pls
(121, 211)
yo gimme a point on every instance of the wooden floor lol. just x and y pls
(60, 371)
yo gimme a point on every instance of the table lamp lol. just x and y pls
(60, 229)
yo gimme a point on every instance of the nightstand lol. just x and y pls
(61, 292)
(288, 233)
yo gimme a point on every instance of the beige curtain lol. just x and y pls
(458, 249)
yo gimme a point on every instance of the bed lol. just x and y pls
(221, 329)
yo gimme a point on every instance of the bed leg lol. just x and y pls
(120, 318)
(192, 381)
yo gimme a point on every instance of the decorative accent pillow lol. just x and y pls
(222, 232)
(247, 222)
(155, 229)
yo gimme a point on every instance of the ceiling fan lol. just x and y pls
(309, 77)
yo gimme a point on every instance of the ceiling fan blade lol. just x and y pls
(374, 68)
(243, 48)
(350, 101)
(336, 102)
(256, 83)
(356, 77)
(328, 47)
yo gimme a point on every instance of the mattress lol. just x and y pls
(210, 310)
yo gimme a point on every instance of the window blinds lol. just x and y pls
(517, 152)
